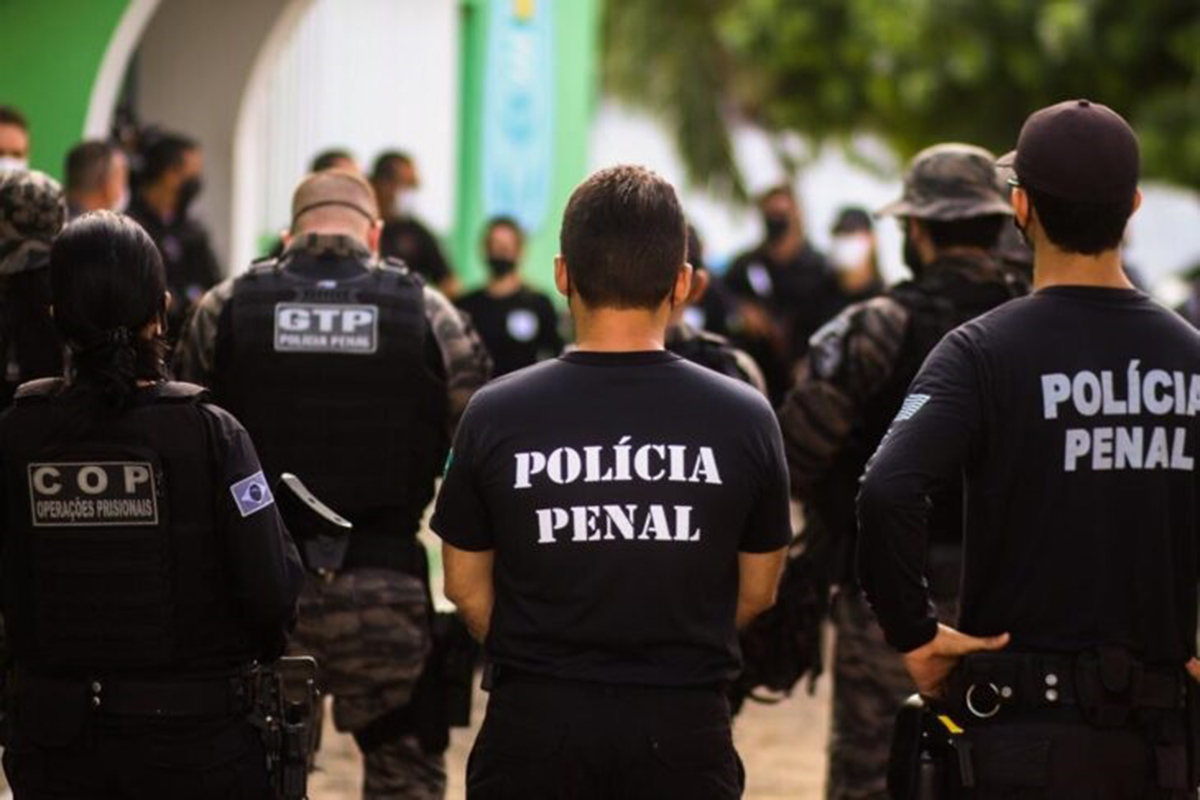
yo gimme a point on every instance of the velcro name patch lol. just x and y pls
(326, 328)
(93, 494)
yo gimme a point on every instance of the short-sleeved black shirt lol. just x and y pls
(518, 330)
(617, 490)
(1073, 414)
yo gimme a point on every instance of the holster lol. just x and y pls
(284, 702)
(930, 757)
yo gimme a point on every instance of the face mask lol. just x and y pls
(850, 251)
(13, 164)
(402, 202)
(777, 226)
(188, 192)
(501, 266)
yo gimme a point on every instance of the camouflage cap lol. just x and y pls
(31, 206)
(948, 182)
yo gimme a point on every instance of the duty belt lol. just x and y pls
(1106, 687)
(200, 697)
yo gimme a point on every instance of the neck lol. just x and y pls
(1053, 267)
(85, 201)
(161, 200)
(786, 247)
(505, 286)
(611, 330)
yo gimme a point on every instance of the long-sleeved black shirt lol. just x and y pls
(1072, 415)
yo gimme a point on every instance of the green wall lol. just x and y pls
(50, 54)
(576, 24)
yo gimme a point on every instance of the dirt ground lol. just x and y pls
(782, 746)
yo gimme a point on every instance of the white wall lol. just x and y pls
(1164, 237)
(367, 75)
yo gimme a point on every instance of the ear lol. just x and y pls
(700, 284)
(683, 286)
(286, 236)
(1020, 204)
(374, 233)
(1137, 201)
(562, 279)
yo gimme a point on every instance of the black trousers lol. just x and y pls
(211, 760)
(545, 741)
(1073, 761)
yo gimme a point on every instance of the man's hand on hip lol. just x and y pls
(930, 664)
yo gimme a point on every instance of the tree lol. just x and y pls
(913, 72)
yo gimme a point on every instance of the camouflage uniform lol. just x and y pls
(32, 212)
(716, 353)
(849, 387)
(368, 628)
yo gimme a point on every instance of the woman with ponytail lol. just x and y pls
(143, 564)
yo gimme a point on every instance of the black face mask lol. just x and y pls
(189, 190)
(777, 226)
(912, 256)
(501, 266)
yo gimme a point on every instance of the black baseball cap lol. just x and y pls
(1079, 151)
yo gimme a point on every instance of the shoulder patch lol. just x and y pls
(252, 494)
(827, 346)
(912, 404)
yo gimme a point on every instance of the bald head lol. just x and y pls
(335, 202)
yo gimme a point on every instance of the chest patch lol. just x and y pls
(93, 494)
(522, 325)
(326, 328)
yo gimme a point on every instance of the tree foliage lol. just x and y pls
(913, 72)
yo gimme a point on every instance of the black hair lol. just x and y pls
(695, 249)
(623, 238)
(327, 159)
(386, 162)
(784, 189)
(503, 221)
(165, 153)
(1081, 227)
(107, 284)
(982, 232)
(88, 164)
(11, 116)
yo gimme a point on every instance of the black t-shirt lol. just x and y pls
(1072, 415)
(519, 330)
(407, 239)
(616, 507)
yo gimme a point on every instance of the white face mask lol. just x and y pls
(402, 202)
(850, 251)
(13, 164)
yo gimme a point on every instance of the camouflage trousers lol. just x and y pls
(369, 631)
(869, 686)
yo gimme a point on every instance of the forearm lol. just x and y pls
(476, 612)
(748, 609)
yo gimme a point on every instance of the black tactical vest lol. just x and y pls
(113, 563)
(332, 381)
(936, 305)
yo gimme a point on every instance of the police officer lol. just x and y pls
(1073, 416)
(351, 374)
(518, 324)
(144, 563)
(31, 215)
(787, 290)
(850, 386)
(687, 336)
(396, 181)
(97, 175)
(604, 537)
(170, 180)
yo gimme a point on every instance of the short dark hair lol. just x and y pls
(164, 153)
(327, 159)
(784, 189)
(10, 115)
(624, 238)
(502, 221)
(88, 164)
(386, 162)
(982, 232)
(1081, 227)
